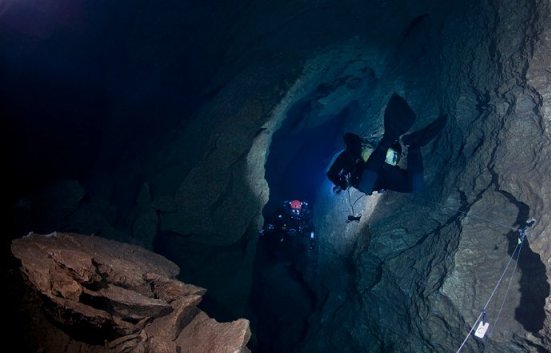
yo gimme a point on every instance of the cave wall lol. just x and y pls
(192, 191)
(419, 286)
(512, 175)
(195, 190)
(505, 147)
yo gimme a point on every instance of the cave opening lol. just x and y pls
(299, 157)
(284, 295)
(115, 130)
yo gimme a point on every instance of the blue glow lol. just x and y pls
(299, 157)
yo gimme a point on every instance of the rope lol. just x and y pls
(470, 332)
(499, 281)
(350, 204)
(522, 236)
(487, 303)
(508, 287)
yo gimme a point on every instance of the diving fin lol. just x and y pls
(422, 137)
(399, 118)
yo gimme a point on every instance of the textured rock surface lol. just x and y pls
(426, 265)
(106, 296)
(414, 275)
(420, 285)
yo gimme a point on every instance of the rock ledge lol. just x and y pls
(100, 295)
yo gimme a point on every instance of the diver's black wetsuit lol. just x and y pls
(378, 175)
(375, 174)
(346, 169)
(289, 232)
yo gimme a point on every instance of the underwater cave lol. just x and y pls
(184, 128)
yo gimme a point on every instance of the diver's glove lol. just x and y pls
(341, 183)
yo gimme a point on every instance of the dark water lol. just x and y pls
(299, 158)
(283, 296)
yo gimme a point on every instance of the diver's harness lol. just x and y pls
(353, 217)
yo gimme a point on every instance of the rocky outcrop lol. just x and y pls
(105, 296)
(410, 278)
(427, 264)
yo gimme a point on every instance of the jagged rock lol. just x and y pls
(127, 303)
(136, 343)
(99, 290)
(420, 273)
(169, 326)
(169, 289)
(204, 334)
(215, 188)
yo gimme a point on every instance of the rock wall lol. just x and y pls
(415, 273)
(420, 286)
(89, 294)
(506, 147)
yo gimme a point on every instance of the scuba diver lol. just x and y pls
(289, 229)
(369, 169)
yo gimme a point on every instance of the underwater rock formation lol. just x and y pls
(97, 295)
(271, 97)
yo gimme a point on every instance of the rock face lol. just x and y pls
(414, 274)
(107, 296)
(427, 265)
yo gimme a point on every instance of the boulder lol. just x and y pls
(107, 296)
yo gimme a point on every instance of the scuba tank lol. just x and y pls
(392, 154)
